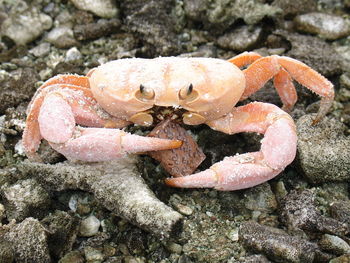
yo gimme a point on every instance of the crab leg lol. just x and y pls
(278, 149)
(283, 70)
(58, 126)
(84, 107)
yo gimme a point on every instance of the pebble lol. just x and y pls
(173, 247)
(260, 198)
(72, 257)
(41, 50)
(93, 255)
(26, 25)
(102, 8)
(62, 37)
(241, 39)
(72, 54)
(183, 209)
(89, 226)
(324, 25)
(334, 244)
(341, 259)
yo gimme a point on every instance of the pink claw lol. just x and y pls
(278, 149)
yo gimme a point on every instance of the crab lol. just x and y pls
(82, 116)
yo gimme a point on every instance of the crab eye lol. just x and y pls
(145, 93)
(188, 93)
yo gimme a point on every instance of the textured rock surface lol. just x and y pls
(324, 25)
(24, 199)
(102, 8)
(298, 211)
(242, 38)
(277, 245)
(221, 14)
(126, 193)
(62, 232)
(25, 23)
(28, 240)
(323, 150)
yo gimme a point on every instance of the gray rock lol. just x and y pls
(102, 8)
(220, 14)
(260, 198)
(72, 257)
(275, 244)
(89, 226)
(93, 255)
(314, 52)
(341, 259)
(25, 23)
(62, 37)
(157, 24)
(323, 149)
(295, 7)
(96, 30)
(73, 54)
(24, 198)
(29, 241)
(334, 244)
(324, 25)
(62, 232)
(298, 211)
(242, 38)
(41, 50)
(340, 210)
(17, 87)
(117, 185)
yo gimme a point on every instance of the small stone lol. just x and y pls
(102, 8)
(72, 257)
(89, 226)
(326, 26)
(93, 255)
(183, 209)
(334, 245)
(242, 38)
(260, 198)
(233, 235)
(341, 259)
(73, 54)
(62, 37)
(323, 149)
(41, 50)
(24, 26)
(173, 247)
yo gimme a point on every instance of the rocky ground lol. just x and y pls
(62, 212)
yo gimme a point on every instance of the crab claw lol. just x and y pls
(278, 149)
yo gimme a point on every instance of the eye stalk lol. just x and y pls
(188, 93)
(145, 93)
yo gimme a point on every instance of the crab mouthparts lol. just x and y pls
(158, 114)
